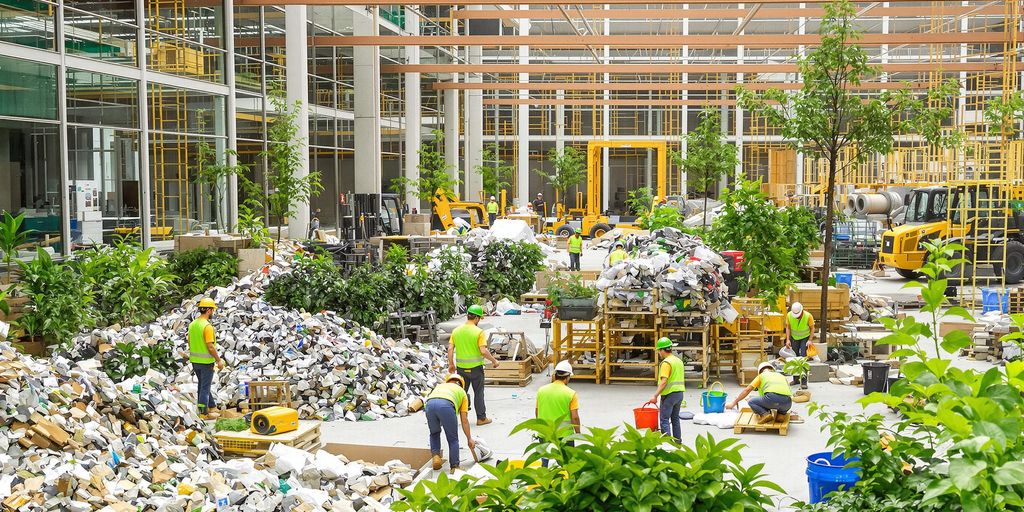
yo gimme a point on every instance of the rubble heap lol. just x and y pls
(337, 369)
(870, 308)
(686, 273)
(73, 440)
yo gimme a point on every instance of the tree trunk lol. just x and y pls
(829, 216)
(705, 223)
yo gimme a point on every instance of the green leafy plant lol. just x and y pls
(129, 360)
(314, 284)
(435, 173)
(569, 170)
(1004, 114)
(494, 172)
(130, 284)
(12, 237)
(59, 302)
(661, 217)
(213, 171)
(635, 470)
(640, 201)
(800, 231)
(797, 367)
(708, 155)
(230, 425)
(569, 286)
(508, 267)
(199, 270)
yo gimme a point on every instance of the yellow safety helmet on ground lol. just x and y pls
(455, 376)
(207, 302)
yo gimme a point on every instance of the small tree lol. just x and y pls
(708, 155)
(12, 236)
(1004, 115)
(829, 117)
(214, 172)
(434, 173)
(570, 169)
(286, 154)
(494, 172)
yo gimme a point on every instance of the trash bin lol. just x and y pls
(826, 474)
(876, 375)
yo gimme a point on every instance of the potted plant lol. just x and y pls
(574, 300)
(12, 237)
(799, 368)
(59, 303)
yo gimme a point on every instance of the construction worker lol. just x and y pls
(575, 249)
(619, 254)
(492, 211)
(558, 402)
(467, 350)
(202, 353)
(775, 395)
(799, 333)
(538, 204)
(445, 403)
(670, 388)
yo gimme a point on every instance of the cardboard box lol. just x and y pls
(416, 228)
(415, 457)
(948, 327)
(416, 218)
(251, 260)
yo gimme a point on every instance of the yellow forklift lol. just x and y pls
(588, 218)
(447, 208)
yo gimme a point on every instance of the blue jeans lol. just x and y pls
(204, 373)
(770, 401)
(668, 414)
(800, 347)
(441, 415)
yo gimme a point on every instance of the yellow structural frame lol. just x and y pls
(594, 178)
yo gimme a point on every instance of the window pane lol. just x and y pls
(30, 180)
(95, 98)
(28, 23)
(28, 89)
(103, 166)
(185, 111)
(95, 37)
(181, 57)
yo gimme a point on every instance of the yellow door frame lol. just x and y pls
(594, 183)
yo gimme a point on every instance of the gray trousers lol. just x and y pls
(574, 261)
(668, 414)
(441, 415)
(474, 378)
(770, 401)
(800, 347)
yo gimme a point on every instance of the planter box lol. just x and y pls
(577, 309)
(17, 307)
(31, 347)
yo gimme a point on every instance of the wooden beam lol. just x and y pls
(647, 69)
(652, 86)
(602, 102)
(662, 41)
(784, 13)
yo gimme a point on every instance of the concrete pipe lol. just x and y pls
(851, 201)
(878, 203)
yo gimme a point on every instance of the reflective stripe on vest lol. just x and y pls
(553, 404)
(492, 207)
(575, 244)
(676, 380)
(799, 328)
(772, 382)
(197, 352)
(616, 256)
(451, 392)
(467, 351)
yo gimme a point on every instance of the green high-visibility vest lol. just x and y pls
(675, 379)
(553, 404)
(772, 382)
(492, 207)
(616, 256)
(467, 351)
(451, 392)
(799, 328)
(197, 352)
(575, 244)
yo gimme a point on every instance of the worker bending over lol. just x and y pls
(442, 404)
(670, 388)
(775, 395)
(799, 333)
(558, 402)
(202, 353)
(575, 246)
(492, 211)
(466, 353)
(619, 254)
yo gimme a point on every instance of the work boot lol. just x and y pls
(767, 418)
(803, 385)
(436, 462)
(483, 421)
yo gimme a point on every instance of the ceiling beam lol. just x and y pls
(652, 86)
(612, 102)
(646, 69)
(527, 2)
(782, 13)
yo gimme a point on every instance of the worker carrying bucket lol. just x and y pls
(670, 389)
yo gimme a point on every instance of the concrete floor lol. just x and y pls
(606, 406)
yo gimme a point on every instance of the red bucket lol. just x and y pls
(646, 418)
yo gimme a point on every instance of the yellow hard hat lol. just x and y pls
(455, 376)
(207, 302)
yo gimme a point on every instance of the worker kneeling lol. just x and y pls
(442, 404)
(775, 395)
(671, 385)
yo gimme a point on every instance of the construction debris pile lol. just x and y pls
(339, 369)
(73, 440)
(870, 308)
(686, 274)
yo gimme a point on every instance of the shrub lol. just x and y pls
(199, 270)
(59, 301)
(130, 284)
(508, 267)
(313, 284)
(129, 360)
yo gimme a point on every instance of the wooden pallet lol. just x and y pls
(508, 383)
(533, 298)
(248, 444)
(748, 421)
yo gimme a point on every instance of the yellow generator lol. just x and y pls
(274, 420)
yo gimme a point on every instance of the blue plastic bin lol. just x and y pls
(826, 473)
(991, 299)
(844, 278)
(713, 401)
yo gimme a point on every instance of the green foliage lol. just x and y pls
(1003, 115)
(640, 201)
(130, 284)
(570, 169)
(708, 155)
(800, 231)
(313, 285)
(437, 285)
(495, 173)
(662, 217)
(797, 367)
(434, 173)
(199, 270)
(635, 471)
(59, 302)
(286, 154)
(570, 286)
(230, 425)
(508, 267)
(11, 237)
(213, 172)
(129, 360)
(749, 223)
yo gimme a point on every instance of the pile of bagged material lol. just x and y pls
(870, 308)
(73, 440)
(337, 369)
(686, 273)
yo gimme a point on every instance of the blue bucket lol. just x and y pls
(826, 473)
(713, 401)
(844, 278)
(991, 299)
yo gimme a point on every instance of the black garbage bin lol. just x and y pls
(876, 376)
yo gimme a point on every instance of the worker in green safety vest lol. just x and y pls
(575, 245)
(558, 402)
(799, 333)
(202, 353)
(445, 406)
(775, 396)
(619, 254)
(670, 388)
(492, 211)
(467, 351)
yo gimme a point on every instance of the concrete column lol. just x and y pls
(413, 114)
(231, 125)
(366, 71)
(451, 128)
(802, 51)
(685, 121)
(523, 122)
(739, 121)
(297, 90)
(606, 127)
(474, 125)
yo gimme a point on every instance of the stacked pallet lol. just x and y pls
(518, 360)
(809, 294)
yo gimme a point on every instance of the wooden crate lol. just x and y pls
(508, 371)
(269, 393)
(248, 444)
(809, 294)
(748, 422)
(510, 383)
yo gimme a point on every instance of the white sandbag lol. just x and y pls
(512, 229)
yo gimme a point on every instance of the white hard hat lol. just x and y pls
(765, 365)
(492, 197)
(563, 367)
(797, 308)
